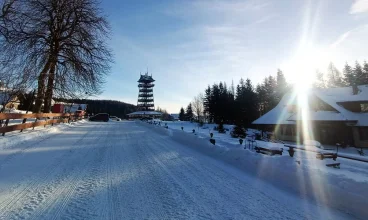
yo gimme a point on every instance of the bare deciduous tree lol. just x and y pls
(197, 105)
(64, 40)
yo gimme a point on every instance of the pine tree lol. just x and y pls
(365, 73)
(182, 114)
(238, 131)
(221, 128)
(359, 74)
(349, 77)
(319, 81)
(207, 104)
(282, 86)
(334, 78)
(189, 115)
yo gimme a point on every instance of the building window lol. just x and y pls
(364, 107)
(363, 133)
(287, 130)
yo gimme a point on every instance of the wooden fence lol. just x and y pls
(41, 119)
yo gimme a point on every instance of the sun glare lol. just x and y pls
(302, 67)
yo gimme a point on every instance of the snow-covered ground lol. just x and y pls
(354, 170)
(133, 170)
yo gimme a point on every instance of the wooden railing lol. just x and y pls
(41, 119)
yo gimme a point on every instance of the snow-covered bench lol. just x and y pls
(269, 151)
(322, 155)
(334, 165)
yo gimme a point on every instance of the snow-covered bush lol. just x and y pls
(221, 128)
(238, 132)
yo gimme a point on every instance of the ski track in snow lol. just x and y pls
(121, 170)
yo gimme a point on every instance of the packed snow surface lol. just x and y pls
(130, 170)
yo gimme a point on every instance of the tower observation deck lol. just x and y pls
(145, 95)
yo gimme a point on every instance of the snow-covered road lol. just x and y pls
(122, 170)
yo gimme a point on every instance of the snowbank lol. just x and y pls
(16, 137)
(303, 179)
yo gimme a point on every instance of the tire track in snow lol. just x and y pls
(159, 195)
(28, 199)
(31, 183)
(75, 185)
(113, 193)
(210, 184)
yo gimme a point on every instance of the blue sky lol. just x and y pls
(187, 45)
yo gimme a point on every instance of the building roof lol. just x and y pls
(343, 94)
(279, 114)
(145, 113)
(331, 96)
(146, 78)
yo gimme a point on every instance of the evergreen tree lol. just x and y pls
(319, 81)
(282, 86)
(261, 94)
(365, 73)
(246, 103)
(238, 131)
(334, 78)
(207, 104)
(189, 115)
(359, 74)
(182, 114)
(349, 77)
(221, 128)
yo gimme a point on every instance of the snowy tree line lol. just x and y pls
(245, 102)
(240, 104)
(350, 75)
(112, 107)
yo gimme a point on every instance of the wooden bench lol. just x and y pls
(322, 156)
(334, 165)
(267, 151)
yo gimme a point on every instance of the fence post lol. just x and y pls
(6, 124)
(24, 121)
(34, 122)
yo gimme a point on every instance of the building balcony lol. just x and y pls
(146, 85)
(145, 95)
(145, 90)
(145, 105)
(145, 100)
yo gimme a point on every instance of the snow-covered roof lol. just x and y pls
(334, 96)
(145, 113)
(343, 94)
(331, 96)
(319, 116)
(279, 114)
(175, 116)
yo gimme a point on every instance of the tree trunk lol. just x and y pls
(41, 88)
(50, 88)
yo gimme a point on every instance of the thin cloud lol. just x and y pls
(359, 6)
(341, 39)
(345, 35)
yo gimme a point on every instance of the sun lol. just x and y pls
(301, 68)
